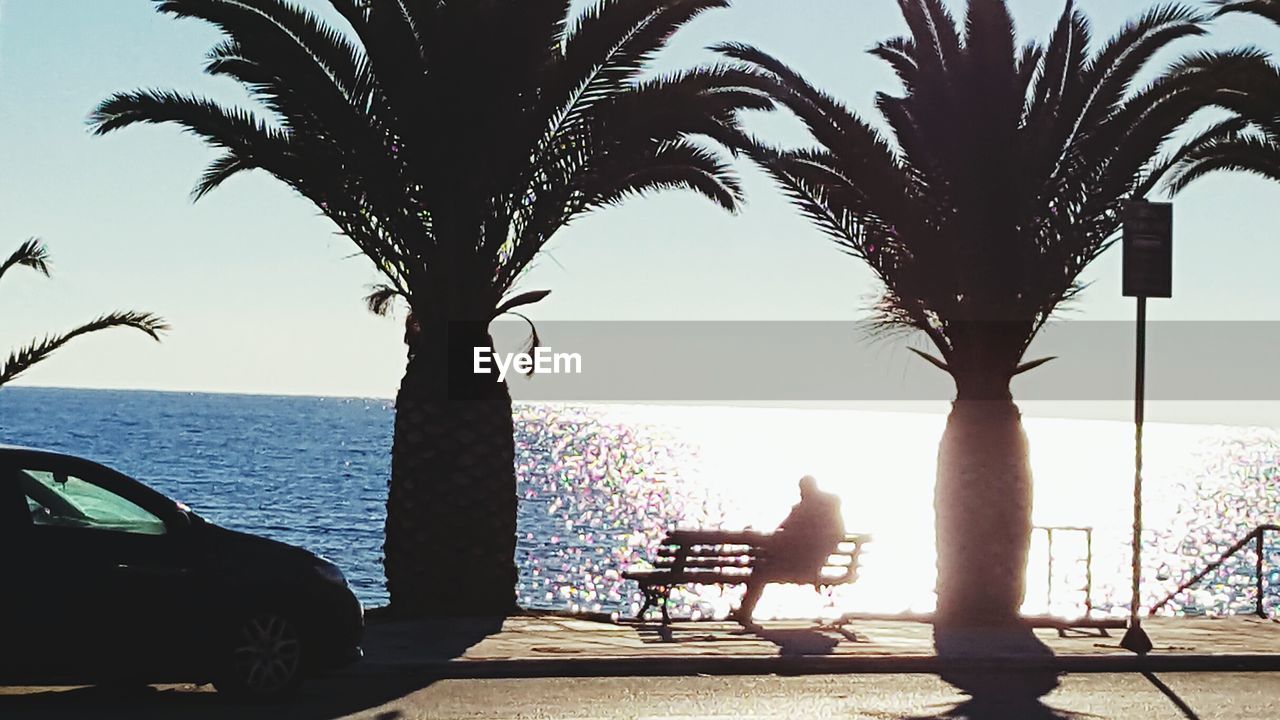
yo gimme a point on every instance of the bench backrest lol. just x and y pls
(737, 551)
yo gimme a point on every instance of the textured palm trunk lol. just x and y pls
(983, 509)
(451, 509)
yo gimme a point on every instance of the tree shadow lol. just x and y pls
(393, 645)
(426, 640)
(993, 708)
(1004, 671)
(320, 699)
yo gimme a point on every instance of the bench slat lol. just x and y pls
(707, 550)
(703, 562)
(724, 576)
(704, 576)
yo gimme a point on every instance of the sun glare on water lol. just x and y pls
(734, 468)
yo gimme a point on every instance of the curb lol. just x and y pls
(589, 667)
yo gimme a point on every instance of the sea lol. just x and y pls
(599, 485)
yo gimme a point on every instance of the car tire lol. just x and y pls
(263, 661)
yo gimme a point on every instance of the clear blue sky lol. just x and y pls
(265, 297)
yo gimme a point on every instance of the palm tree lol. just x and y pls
(998, 182)
(34, 255)
(1249, 142)
(449, 141)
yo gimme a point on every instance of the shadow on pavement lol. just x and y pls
(996, 693)
(1003, 709)
(800, 641)
(361, 689)
(790, 641)
(1004, 695)
(1168, 692)
(425, 640)
(321, 699)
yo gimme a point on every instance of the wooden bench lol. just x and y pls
(720, 557)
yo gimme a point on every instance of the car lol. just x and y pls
(110, 582)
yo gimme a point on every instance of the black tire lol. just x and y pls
(263, 660)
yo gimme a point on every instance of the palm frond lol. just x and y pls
(25, 357)
(932, 360)
(381, 299)
(1241, 151)
(31, 253)
(1269, 9)
(1151, 118)
(680, 164)
(521, 300)
(225, 127)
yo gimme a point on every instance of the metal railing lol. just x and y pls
(1088, 564)
(1258, 535)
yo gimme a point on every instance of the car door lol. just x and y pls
(15, 605)
(110, 570)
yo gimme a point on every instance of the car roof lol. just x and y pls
(14, 452)
(24, 450)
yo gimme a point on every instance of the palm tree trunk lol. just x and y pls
(451, 509)
(983, 509)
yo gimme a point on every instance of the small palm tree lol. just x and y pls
(1000, 180)
(33, 254)
(1249, 142)
(449, 141)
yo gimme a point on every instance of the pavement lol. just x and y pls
(539, 667)
(1093, 696)
(553, 646)
(849, 697)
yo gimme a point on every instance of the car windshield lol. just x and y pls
(66, 501)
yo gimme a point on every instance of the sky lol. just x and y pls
(265, 297)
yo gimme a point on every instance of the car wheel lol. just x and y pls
(265, 658)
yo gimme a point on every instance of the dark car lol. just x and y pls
(108, 581)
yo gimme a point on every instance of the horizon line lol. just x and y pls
(745, 404)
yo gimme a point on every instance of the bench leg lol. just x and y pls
(645, 607)
(650, 599)
(656, 596)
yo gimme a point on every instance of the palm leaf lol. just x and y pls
(932, 360)
(25, 357)
(31, 253)
(1243, 151)
(381, 299)
(521, 300)
(1269, 9)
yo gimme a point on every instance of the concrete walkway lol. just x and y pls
(548, 646)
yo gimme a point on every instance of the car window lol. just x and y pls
(61, 500)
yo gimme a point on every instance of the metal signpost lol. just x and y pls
(1148, 272)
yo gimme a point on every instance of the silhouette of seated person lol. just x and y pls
(797, 551)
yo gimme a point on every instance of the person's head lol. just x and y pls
(808, 486)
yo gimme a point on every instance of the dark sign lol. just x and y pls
(1148, 249)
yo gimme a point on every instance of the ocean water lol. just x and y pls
(600, 485)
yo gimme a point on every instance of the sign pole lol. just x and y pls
(1135, 638)
(1140, 382)
(1148, 272)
